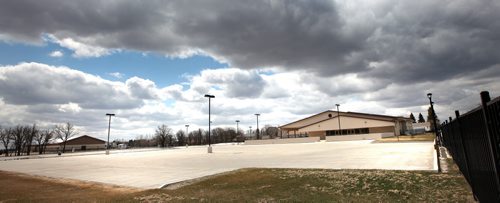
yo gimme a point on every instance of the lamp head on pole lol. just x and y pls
(337, 105)
(110, 114)
(429, 95)
(187, 126)
(209, 96)
(237, 121)
(257, 114)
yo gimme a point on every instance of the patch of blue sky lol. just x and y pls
(169, 102)
(162, 70)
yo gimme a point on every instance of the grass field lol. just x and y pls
(255, 185)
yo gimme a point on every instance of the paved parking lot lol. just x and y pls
(155, 168)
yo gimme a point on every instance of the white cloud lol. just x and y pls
(117, 75)
(56, 54)
(70, 108)
(80, 48)
(60, 94)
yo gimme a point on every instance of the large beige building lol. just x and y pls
(352, 124)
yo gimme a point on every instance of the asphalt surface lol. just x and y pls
(156, 168)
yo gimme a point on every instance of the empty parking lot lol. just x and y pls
(155, 168)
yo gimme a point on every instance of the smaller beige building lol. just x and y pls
(421, 127)
(353, 125)
(81, 143)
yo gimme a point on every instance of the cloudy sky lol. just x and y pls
(151, 62)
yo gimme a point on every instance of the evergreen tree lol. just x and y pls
(421, 118)
(412, 118)
(430, 118)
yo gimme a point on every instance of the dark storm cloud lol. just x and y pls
(402, 41)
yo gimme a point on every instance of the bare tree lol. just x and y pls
(190, 138)
(164, 135)
(181, 137)
(17, 134)
(5, 137)
(29, 135)
(271, 131)
(42, 138)
(196, 137)
(64, 132)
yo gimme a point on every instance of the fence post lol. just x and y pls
(485, 98)
(466, 159)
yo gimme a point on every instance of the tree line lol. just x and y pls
(165, 137)
(26, 139)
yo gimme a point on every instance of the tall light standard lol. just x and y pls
(429, 95)
(257, 130)
(338, 117)
(237, 128)
(187, 135)
(209, 121)
(109, 129)
(250, 131)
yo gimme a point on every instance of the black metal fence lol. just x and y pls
(473, 139)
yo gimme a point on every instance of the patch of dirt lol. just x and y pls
(177, 185)
(30, 188)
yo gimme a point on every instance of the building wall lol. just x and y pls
(370, 136)
(384, 129)
(283, 141)
(77, 147)
(347, 123)
(320, 134)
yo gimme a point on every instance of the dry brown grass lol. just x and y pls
(317, 185)
(408, 138)
(16, 187)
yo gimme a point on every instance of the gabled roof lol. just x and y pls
(84, 139)
(284, 126)
(346, 114)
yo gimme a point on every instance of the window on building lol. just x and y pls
(347, 132)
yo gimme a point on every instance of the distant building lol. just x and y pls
(353, 126)
(421, 127)
(81, 143)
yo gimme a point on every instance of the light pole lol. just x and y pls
(109, 130)
(429, 95)
(257, 130)
(187, 135)
(237, 128)
(338, 117)
(209, 121)
(237, 131)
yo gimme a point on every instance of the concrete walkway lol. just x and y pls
(155, 168)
